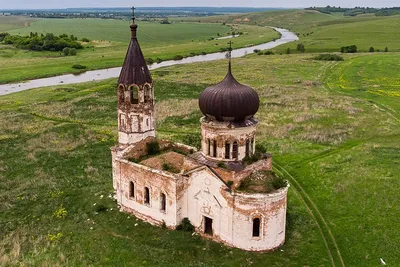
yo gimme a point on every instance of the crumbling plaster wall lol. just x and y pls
(233, 213)
(157, 181)
(135, 120)
(270, 209)
(223, 132)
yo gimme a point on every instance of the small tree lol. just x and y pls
(66, 51)
(386, 49)
(288, 51)
(301, 48)
(371, 49)
(72, 52)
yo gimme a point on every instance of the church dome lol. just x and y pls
(229, 100)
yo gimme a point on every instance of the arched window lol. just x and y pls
(235, 152)
(146, 195)
(163, 203)
(247, 148)
(215, 149)
(227, 150)
(133, 92)
(256, 227)
(131, 190)
(147, 93)
(121, 94)
(208, 147)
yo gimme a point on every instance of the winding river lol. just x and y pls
(98, 75)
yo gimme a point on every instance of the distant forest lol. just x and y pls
(387, 11)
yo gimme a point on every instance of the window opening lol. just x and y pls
(146, 195)
(163, 202)
(235, 153)
(227, 150)
(256, 227)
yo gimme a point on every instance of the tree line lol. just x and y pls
(41, 42)
(387, 11)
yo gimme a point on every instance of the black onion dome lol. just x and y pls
(229, 100)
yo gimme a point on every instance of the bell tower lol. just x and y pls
(135, 95)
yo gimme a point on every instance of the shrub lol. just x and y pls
(153, 148)
(149, 61)
(329, 57)
(66, 51)
(72, 52)
(178, 57)
(229, 183)
(166, 167)
(165, 21)
(203, 53)
(261, 148)
(349, 49)
(221, 164)
(159, 60)
(256, 51)
(185, 225)
(86, 40)
(371, 49)
(300, 48)
(3, 36)
(78, 66)
(386, 49)
(288, 51)
(169, 168)
(279, 182)
(268, 53)
(251, 159)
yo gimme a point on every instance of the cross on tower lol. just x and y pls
(230, 49)
(230, 45)
(133, 14)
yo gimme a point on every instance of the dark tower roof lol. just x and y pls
(229, 100)
(134, 70)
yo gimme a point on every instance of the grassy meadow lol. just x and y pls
(338, 146)
(8, 23)
(321, 32)
(109, 40)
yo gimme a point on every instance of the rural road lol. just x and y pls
(103, 74)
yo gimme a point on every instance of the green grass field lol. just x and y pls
(8, 23)
(109, 43)
(337, 145)
(321, 32)
(155, 34)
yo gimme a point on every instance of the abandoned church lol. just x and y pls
(226, 189)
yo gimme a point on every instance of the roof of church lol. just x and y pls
(229, 100)
(134, 70)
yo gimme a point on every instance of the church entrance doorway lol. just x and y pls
(208, 226)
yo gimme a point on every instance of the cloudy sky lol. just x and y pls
(41, 4)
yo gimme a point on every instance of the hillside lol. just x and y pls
(109, 39)
(321, 32)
